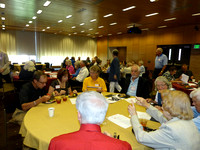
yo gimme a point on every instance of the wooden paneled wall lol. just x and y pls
(143, 46)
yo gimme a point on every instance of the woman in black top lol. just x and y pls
(61, 86)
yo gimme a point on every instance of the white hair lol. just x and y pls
(29, 66)
(135, 65)
(163, 79)
(195, 93)
(92, 106)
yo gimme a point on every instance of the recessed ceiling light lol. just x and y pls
(153, 1)
(197, 14)
(108, 15)
(109, 34)
(93, 20)
(75, 32)
(90, 29)
(69, 16)
(43, 29)
(59, 21)
(82, 31)
(3, 28)
(3, 18)
(88, 34)
(128, 8)
(162, 26)
(145, 29)
(82, 24)
(73, 27)
(69, 34)
(97, 33)
(39, 11)
(169, 19)
(27, 25)
(34, 17)
(47, 3)
(119, 33)
(114, 23)
(100, 26)
(93, 37)
(151, 14)
(2, 5)
(48, 27)
(100, 35)
(30, 22)
(129, 26)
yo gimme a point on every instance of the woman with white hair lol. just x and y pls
(27, 71)
(195, 95)
(177, 130)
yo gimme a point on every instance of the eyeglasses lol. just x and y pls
(42, 82)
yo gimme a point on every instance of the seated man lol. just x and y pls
(83, 73)
(169, 75)
(94, 82)
(31, 94)
(195, 95)
(136, 86)
(184, 70)
(92, 108)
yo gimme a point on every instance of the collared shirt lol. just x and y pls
(89, 137)
(132, 89)
(196, 118)
(82, 74)
(161, 61)
(91, 85)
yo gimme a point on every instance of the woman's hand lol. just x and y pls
(142, 102)
(62, 92)
(56, 93)
(131, 109)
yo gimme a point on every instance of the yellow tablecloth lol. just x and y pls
(38, 128)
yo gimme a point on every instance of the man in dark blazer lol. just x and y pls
(135, 85)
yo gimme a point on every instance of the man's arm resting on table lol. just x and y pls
(27, 106)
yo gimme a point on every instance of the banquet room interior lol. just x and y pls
(49, 31)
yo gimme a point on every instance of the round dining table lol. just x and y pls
(38, 128)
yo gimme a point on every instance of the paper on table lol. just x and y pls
(73, 100)
(129, 100)
(143, 115)
(120, 120)
(184, 78)
(191, 84)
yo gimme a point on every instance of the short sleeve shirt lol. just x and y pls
(161, 61)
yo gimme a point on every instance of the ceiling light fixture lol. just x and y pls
(129, 26)
(93, 20)
(108, 15)
(162, 27)
(153, 1)
(114, 23)
(48, 27)
(169, 19)
(100, 35)
(39, 11)
(43, 29)
(128, 8)
(47, 3)
(82, 24)
(82, 31)
(73, 27)
(3, 18)
(119, 33)
(34, 17)
(75, 32)
(153, 14)
(59, 21)
(88, 34)
(145, 29)
(30, 22)
(90, 29)
(97, 33)
(109, 34)
(2, 5)
(27, 25)
(69, 16)
(197, 14)
(100, 26)
(3, 26)
(69, 34)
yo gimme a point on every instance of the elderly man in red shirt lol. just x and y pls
(92, 108)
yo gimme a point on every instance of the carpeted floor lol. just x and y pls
(14, 140)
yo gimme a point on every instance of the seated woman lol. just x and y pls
(177, 130)
(78, 68)
(27, 71)
(61, 86)
(169, 75)
(69, 67)
(161, 83)
(94, 82)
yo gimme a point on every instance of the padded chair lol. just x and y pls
(38, 67)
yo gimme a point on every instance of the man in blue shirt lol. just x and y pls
(195, 95)
(136, 86)
(160, 63)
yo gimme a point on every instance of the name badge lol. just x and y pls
(133, 88)
(96, 84)
(57, 86)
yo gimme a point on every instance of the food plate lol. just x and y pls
(74, 95)
(123, 96)
(50, 101)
